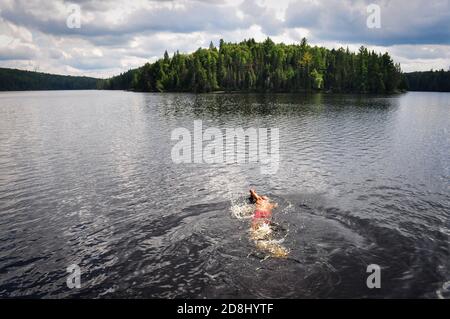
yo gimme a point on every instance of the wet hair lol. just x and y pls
(251, 200)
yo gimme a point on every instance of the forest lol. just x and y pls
(438, 81)
(249, 66)
(265, 67)
(19, 80)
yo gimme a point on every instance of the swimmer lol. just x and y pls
(262, 226)
(263, 210)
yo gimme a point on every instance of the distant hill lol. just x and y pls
(438, 81)
(19, 80)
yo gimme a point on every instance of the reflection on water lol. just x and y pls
(86, 178)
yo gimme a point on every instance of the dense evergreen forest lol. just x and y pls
(19, 80)
(429, 81)
(266, 66)
(249, 66)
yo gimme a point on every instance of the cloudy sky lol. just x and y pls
(116, 35)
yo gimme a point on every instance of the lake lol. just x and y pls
(87, 178)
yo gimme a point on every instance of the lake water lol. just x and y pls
(87, 178)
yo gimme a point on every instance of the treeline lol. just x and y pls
(429, 81)
(265, 67)
(20, 80)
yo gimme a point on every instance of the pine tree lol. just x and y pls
(267, 66)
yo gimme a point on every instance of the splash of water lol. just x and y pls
(263, 235)
(273, 248)
(241, 209)
(261, 232)
(264, 241)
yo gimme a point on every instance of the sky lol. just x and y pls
(102, 38)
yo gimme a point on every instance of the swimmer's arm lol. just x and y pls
(274, 205)
(254, 195)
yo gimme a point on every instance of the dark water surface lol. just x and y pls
(87, 178)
